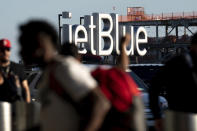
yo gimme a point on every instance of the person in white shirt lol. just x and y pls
(66, 87)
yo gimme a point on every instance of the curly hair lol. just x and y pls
(29, 38)
(30, 31)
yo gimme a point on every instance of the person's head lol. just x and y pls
(5, 46)
(38, 41)
(70, 49)
(193, 47)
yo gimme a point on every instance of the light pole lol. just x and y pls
(66, 15)
(81, 20)
(60, 27)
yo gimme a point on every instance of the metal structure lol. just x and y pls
(59, 27)
(136, 16)
(135, 13)
(161, 47)
(63, 15)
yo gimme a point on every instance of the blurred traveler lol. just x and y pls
(66, 87)
(9, 68)
(179, 79)
(127, 110)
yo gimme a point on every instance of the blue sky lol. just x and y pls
(15, 12)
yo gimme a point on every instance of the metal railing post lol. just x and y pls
(5, 116)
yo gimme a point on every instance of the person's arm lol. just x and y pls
(27, 92)
(159, 124)
(1, 79)
(123, 59)
(156, 84)
(100, 108)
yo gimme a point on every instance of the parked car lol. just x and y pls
(145, 97)
(33, 79)
(147, 72)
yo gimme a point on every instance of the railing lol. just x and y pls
(163, 16)
(25, 117)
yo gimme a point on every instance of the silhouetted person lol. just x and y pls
(10, 88)
(65, 84)
(8, 67)
(179, 79)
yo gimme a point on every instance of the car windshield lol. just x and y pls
(31, 77)
(142, 86)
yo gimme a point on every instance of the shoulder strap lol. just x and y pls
(58, 89)
(5, 70)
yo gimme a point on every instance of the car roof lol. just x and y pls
(142, 86)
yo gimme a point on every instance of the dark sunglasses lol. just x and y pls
(5, 49)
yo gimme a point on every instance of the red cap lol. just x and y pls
(5, 43)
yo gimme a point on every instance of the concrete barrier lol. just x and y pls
(180, 121)
(5, 116)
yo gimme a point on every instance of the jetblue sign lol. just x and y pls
(101, 33)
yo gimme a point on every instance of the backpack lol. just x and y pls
(127, 111)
